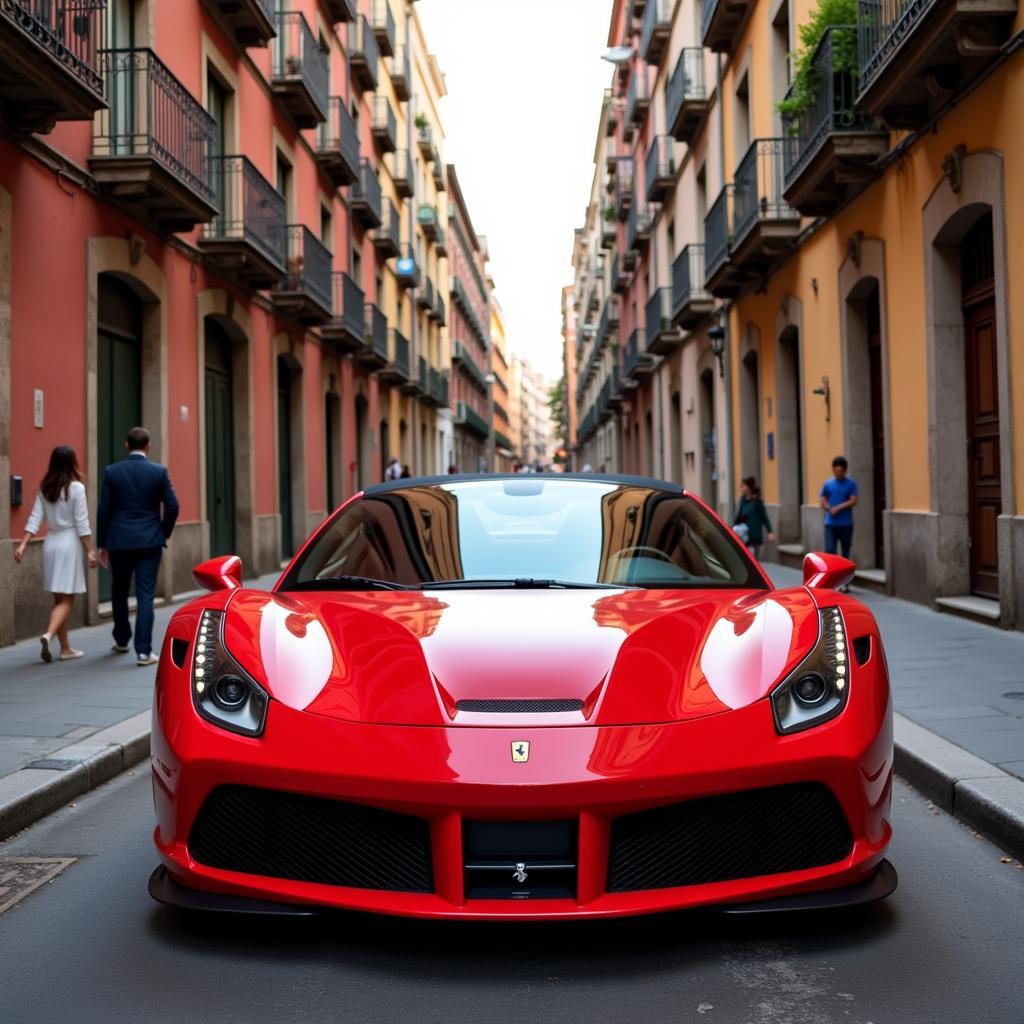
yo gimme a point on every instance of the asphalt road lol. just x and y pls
(91, 946)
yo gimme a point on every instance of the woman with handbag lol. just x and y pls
(66, 547)
(751, 521)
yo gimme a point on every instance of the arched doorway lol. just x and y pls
(750, 415)
(332, 450)
(789, 430)
(118, 376)
(709, 446)
(289, 453)
(362, 442)
(219, 427)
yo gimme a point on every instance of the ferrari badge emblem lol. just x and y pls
(520, 874)
(520, 751)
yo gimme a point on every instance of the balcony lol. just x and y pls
(426, 217)
(387, 239)
(832, 145)
(608, 327)
(375, 351)
(467, 365)
(609, 229)
(657, 27)
(611, 120)
(620, 279)
(397, 369)
(364, 201)
(407, 270)
(250, 21)
(721, 20)
(246, 240)
(636, 364)
(660, 172)
(383, 22)
(438, 172)
(299, 78)
(49, 63)
(690, 302)
(638, 227)
(660, 333)
(437, 389)
(624, 187)
(440, 312)
(383, 126)
(304, 293)
(402, 174)
(346, 330)
(466, 416)
(629, 260)
(425, 139)
(441, 242)
(763, 222)
(337, 144)
(152, 147)
(339, 10)
(638, 100)
(401, 75)
(685, 101)
(363, 54)
(720, 277)
(915, 54)
(425, 295)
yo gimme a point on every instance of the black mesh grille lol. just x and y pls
(310, 839)
(739, 835)
(521, 707)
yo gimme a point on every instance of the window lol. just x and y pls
(326, 228)
(741, 119)
(284, 181)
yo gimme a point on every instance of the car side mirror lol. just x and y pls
(223, 573)
(827, 572)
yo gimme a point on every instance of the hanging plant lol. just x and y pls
(841, 17)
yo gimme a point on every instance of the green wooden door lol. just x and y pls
(118, 380)
(220, 449)
(284, 457)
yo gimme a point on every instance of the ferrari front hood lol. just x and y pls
(513, 657)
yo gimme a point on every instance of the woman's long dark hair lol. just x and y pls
(753, 486)
(62, 471)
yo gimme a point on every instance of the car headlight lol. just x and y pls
(222, 691)
(817, 689)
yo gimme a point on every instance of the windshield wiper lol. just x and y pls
(347, 583)
(522, 583)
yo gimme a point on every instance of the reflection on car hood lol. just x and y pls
(610, 657)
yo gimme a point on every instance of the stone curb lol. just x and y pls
(34, 792)
(981, 795)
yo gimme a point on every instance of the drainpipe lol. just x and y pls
(724, 500)
(417, 454)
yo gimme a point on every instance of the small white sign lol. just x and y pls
(37, 408)
(184, 414)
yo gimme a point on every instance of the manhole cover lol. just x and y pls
(20, 876)
(1014, 695)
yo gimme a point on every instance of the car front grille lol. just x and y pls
(542, 706)
(312, 839)
(737, 835)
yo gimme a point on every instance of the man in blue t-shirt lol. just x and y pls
(838, 496)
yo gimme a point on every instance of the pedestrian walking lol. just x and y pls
(751, 522)
(838, 497)
(60, 501)
(406, 473)
(136, 515)
(453, 469)
(393, 470)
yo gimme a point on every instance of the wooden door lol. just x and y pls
(220, 448)
(984, 484)
(877, 425)
(284, 458)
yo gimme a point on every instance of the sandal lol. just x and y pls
(45, 653)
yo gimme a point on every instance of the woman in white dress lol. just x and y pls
(61, 502)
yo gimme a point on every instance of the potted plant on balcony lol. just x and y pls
(609, 212)
(421, 122)
(841, 17)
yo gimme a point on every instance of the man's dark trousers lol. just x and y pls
(838, 537)
(144, 563)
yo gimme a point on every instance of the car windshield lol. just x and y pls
(523, 531)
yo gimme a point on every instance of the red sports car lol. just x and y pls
(531, 696)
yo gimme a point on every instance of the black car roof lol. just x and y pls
(449, 478)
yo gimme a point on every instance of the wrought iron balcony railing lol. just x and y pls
(363, 54)
(364, 196)
(347, 326)
(155, 141)
(718, 233)
(635, 361)
(426, 217)
(659, 330)
(720, 20)
(425, 140)
(690, 300)
(657, 27)
(758, 188)
(252, 21)
(247, 235)
(624, 186)
(439, 387)
(337, 143)
(660, 170)
(425, 295)
(383, 125)
(638, 226)
(339, 10)
(440, 309)
(387, 239)
(685, 100)
(375, 349)
(402, 174)
(300, 73)
(383, 22)
(305, 290)
(401, 74)
(638, 99)
(467, 416)
(398, 356)
(464, 360)
(49, 56)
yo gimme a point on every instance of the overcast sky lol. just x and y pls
(524, 96)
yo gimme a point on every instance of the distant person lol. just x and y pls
(587, 468)
(453, 469)
(393, 471)
(751, 521)
(60, 500)
(406, 473)
(838, 497)
(137, 512)
(602, 468)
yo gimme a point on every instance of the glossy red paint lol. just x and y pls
(827, 572)
(364, 685)
(223, 573)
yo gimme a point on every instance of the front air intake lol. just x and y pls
(542, 706)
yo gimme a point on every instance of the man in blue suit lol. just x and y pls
(136, 516)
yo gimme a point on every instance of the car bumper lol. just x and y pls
(588, 775)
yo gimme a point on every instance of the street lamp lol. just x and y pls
(716, 339)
